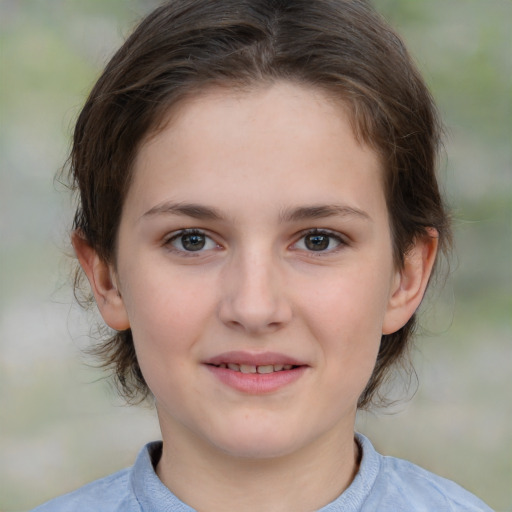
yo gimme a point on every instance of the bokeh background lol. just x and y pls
(61, 424)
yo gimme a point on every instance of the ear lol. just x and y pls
(411, 282)
(102, 279)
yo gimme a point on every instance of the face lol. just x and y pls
(255, 269)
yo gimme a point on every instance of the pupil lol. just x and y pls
(317, 242)
(193, 242)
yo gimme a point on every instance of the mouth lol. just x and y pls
(261, 369)
(256, 373)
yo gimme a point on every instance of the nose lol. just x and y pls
(254, 298)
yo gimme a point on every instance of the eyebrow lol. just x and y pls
(300, 213)
(196, 211)
(322, 211)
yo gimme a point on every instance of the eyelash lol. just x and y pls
(339, 240)
(177, 235)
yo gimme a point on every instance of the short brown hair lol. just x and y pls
(342, 47)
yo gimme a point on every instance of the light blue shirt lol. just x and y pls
(383, 484)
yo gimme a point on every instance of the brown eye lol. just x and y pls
(317, 242)
(193, 242)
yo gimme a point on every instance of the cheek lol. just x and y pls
(168, 314)
(345, 316)
(354, 300)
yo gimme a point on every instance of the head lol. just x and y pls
(340, 48)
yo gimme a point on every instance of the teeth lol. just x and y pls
(266, 369)
(249, 368)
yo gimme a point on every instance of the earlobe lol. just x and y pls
(411, 282)
(102, 280)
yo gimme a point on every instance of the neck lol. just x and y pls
(210, 480)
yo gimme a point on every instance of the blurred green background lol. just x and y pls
(61, 425)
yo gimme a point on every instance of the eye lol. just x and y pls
(191, 240)
(319, 241)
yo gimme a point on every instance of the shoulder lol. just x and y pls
(402, 486)
(130, 490)
(416, 485)
(110, 494)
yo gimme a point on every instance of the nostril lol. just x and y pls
(235, 325)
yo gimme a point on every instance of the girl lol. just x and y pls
(258, 220)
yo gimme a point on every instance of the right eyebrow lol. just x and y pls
(195, 211)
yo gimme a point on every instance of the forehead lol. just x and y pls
(295, 142)
(268, 105)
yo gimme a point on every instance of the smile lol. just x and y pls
(261, 369)
(256, 373)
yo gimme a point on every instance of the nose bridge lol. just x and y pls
(254, 297)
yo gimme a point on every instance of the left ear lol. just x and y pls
(411, 282)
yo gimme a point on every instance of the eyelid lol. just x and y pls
(175, 235)
(339, 237)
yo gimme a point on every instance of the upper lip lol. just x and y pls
(254, 359)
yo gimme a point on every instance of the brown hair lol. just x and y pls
(340, 46)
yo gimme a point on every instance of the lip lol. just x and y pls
(254, 358)
(255, 383)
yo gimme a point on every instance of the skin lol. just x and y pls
(280, 160)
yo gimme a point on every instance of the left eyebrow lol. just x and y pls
(322, 211)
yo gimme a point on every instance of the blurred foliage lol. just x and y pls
(51, 53)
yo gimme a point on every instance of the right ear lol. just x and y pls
(102, 279)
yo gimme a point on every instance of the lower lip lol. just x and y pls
(257, 383)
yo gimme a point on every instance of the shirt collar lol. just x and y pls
(153, 495)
